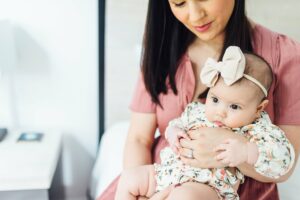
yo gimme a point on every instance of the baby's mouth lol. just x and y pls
(219, 123)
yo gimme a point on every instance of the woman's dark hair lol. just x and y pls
(166, 40)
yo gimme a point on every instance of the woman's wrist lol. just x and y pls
(252, 152)
(136, 154)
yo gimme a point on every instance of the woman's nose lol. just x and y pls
(196, 11)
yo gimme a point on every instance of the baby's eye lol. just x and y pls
(235, 107)
(215, 100)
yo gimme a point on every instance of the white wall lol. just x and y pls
(279, 16)
(55, 79)
(124, 31)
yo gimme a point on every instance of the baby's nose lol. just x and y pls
(222, 113)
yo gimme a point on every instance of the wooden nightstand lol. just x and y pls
(27, 168)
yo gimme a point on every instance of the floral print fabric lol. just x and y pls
(276, 155)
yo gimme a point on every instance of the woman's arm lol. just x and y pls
(138, 146)
(139, 139)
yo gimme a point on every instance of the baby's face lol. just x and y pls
(232, 106)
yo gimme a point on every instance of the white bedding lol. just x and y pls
(109, 160)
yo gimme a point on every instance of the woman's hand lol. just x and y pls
(203, 142)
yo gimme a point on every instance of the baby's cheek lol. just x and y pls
(231, 124)
(235, 122)
(209, 116)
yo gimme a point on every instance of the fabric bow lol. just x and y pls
(231, 68)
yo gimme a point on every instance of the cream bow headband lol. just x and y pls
(231, 68)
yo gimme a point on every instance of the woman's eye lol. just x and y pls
(215, 100)
(234, 107)
(179, 4)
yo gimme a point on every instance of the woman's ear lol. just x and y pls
(261, 107)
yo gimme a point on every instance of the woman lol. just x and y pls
(179, 36)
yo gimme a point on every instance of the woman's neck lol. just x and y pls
(215, 45)
(199, 51)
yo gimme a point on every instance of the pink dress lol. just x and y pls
(282, 53)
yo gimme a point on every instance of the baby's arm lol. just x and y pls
(173, 134)
(268, 149)
(276, 153)
(233, 152)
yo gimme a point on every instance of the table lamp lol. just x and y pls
(7, 65)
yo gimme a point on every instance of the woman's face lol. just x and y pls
(207, 19)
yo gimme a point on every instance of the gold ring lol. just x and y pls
(191, 154)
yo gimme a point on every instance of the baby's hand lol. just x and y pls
(232, 152)
(173, 135)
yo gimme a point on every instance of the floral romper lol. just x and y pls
(276, 155)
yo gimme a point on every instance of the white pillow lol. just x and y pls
(108, 164)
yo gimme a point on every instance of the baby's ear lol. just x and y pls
(261, 107)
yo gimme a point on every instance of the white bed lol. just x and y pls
(109, 161)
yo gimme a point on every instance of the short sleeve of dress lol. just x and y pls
(287, 70)
(141, 101)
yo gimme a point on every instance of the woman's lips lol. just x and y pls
(203, 28)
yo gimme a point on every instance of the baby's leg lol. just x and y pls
(134, 182)
(193, 191)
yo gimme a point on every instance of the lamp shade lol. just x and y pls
(7, 46)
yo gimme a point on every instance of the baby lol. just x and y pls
(236, 100)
